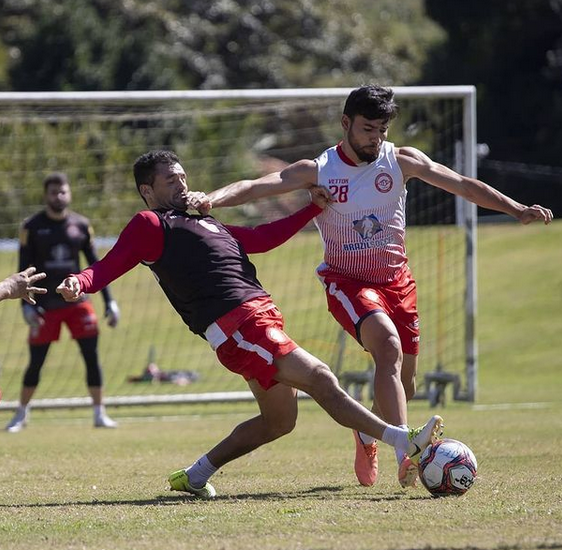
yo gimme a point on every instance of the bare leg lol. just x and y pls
(302, 370)
(96, 393)
(408, 377)
(26, 394)
(278, 415)
(380, 338)
(409, 370)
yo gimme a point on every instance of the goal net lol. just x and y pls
(224, 136)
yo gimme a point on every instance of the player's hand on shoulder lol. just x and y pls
(320, 196)
(197, 200)
(69, 289)
(535, 213)
(112, 313)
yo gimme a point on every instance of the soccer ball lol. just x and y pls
(447, 467)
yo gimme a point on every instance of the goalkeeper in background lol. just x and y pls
(51, 241)
(369, 287)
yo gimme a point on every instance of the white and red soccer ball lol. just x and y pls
(447, 467)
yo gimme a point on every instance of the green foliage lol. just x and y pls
(97, 147)
(139, 44)
(515, 59)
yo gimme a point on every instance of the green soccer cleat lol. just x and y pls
(420, 438)
(179, 481)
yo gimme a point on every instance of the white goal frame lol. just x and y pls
(466, 212)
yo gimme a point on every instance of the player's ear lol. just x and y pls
(145, 191)
(345, 123)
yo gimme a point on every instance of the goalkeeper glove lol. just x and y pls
(112, 313)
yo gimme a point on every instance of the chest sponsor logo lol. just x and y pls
(367, 226)
(61, 258)
(383, 182)
(212, 228)
(60, 252)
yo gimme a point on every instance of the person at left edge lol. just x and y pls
(21, 285)
(51, 240)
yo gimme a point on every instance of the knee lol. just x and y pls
(323, 380)
(387, 351)
(282, 426)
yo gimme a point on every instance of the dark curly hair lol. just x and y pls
(144, 168)
(372, 102)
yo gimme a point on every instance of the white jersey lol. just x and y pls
(363, 230)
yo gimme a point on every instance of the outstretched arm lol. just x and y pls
(111, 308)
(414, 163)
(141, 240)
(303, 174)
(271, 235)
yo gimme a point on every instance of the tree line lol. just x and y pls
(512, 52)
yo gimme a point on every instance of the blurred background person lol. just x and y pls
(51, 241)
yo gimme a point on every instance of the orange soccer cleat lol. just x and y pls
(366, 461)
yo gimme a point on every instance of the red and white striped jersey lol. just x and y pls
(363, 230)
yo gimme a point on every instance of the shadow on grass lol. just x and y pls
(317, 493)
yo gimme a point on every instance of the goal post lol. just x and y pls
(222, 136)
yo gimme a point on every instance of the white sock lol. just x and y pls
(99, 410)
(23, 409)
(397, 438)
(366, 439)
(400, 452)
(200, 471)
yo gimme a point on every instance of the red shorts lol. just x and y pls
(254, 345)
(351, 301)
(79, 318)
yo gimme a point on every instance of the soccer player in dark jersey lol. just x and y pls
(51, 241)
(203, 268)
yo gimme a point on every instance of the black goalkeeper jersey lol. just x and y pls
(54, 246)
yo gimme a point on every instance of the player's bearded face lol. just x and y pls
(170, 187)
(366, 137)
(58, 197)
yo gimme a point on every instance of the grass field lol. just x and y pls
(65, 485)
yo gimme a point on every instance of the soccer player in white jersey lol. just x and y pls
(369, 287)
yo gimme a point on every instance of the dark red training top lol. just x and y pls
(201, 264)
